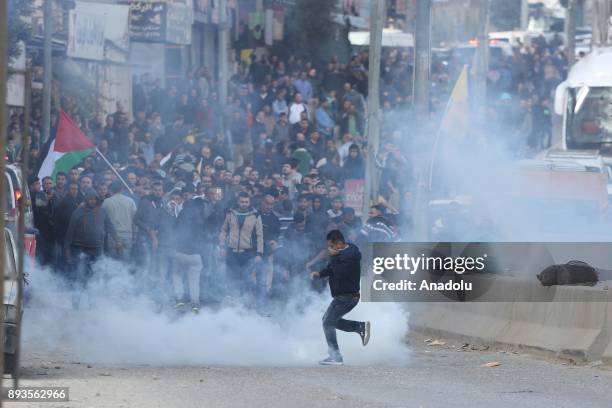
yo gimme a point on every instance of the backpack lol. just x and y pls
(571, 273)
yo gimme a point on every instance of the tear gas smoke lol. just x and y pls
(503, 203)
(118, 324)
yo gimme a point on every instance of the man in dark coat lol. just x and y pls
(63, 213)
(186, 256)
(43, 201)
(89, 225)
(344, 272)
(271, 233)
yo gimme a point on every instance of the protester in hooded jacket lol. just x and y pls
(354, 166)
(62, 216)
(303, 157)
(187, 261)
(317, 221)
(89, 226)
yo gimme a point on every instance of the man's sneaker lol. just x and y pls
(195, 309)
(331, 361)
(365, 333)
(179, 305)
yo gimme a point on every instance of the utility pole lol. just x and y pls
(222, 64)
(482, 59)
(602, 9)
(570, 32)
(409, 18)
(377, 13)
(3, 126)
(25, 163)
(421, 86)
(524, 14)
(422, 57)
(48, 68)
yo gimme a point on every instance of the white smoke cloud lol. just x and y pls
(487, 171)
(117, 324)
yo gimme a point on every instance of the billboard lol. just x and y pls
(179, 19)
(15, 84)
(162, 21)
(93, 27)
(147, 21)
(85, 35)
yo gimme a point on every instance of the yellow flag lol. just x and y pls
(457, 115)
(456, 120)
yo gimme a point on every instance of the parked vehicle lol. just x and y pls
(568, 200)
(463, 54)
(591, 159)
(584, 101)
(11, 299)
(15, 192)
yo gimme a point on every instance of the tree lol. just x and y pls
(18, 28)
(313, 28)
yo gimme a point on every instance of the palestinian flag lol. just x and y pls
(69, 147)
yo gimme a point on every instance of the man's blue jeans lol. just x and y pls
(332, 320)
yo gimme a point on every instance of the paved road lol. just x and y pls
(432, 377)
(121, 354)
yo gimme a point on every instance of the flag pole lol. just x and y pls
(114, 170)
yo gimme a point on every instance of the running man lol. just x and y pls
(344, 272)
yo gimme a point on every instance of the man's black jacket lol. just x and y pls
(344, 271)
(271, 230)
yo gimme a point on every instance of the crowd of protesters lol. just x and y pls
(522, 90)
(204, 211)
(230, 198)
(521, 84)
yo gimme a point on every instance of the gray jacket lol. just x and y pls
(121, 210)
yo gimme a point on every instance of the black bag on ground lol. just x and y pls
(571, 273)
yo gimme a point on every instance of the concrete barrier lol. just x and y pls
(576, 323)
(606, 356)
